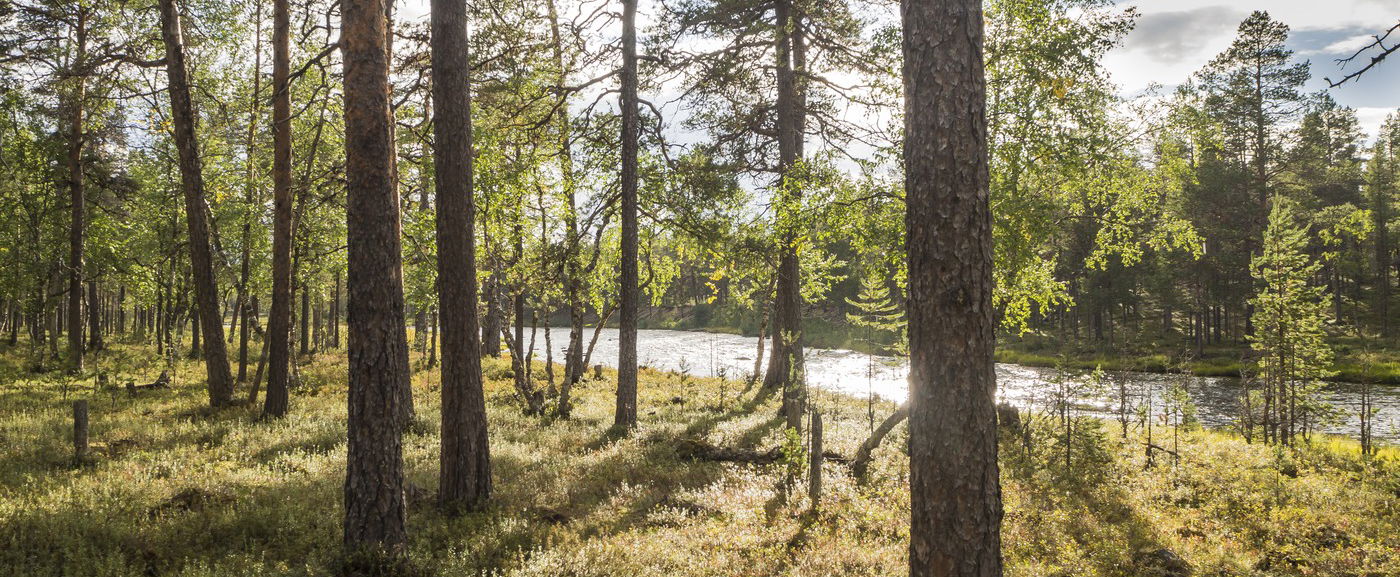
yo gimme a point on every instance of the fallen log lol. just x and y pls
(161, 382)
(696, 450)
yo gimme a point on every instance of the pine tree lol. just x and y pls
(1288, 318)
(880, 316)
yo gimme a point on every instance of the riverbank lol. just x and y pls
(173, 489)
(1357, 360)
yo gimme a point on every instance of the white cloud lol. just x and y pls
(1345, 46)
(1371, 118)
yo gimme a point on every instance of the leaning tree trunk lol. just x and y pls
(626, 412)
(955, 501)
(279, 317)
(192, 180)
(860, 464)
(375, 514)
(465, 480)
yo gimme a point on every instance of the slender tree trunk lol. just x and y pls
(335, 314)
(861, 463)
(465, 480)
(121, 309)
(77, 231)
(626, 413)
(304, 343)
(785, 361)
(1381, 214)
(491, 328)
(955, 502)
(375, 513)
(191, 174)
(573, 276)
(250, 198)
(279, 319)
(94, 317)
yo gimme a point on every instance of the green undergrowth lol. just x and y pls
(172, 488)
(1357, 361)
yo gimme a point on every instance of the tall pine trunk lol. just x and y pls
(626, 411)
(196, 211)
(465, 476)
(77, 230)
(955, 501)
(279, 317)
(375, 513)
(94, 317)
(785, 360)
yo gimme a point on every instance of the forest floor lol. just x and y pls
(172, 488)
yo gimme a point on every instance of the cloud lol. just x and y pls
(1370, 120)
(1173, 36)
(1348, 45)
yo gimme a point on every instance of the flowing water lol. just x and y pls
(722, 355)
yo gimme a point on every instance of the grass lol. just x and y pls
(174, 489)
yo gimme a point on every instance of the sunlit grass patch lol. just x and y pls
(174, 489)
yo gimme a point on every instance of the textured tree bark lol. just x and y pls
(196, 211)
(375, 514)
(626, 412)
(955, 504)
(785, 361)
(80, 431)
(94, 317)
(77, 230)
(279, 317)
(465, 475)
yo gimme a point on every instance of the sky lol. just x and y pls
(1174, 38)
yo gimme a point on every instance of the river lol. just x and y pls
(857, 374)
